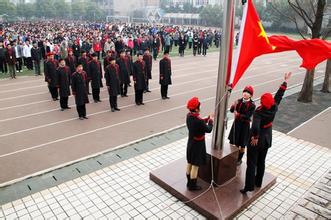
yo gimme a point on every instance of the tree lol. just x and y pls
(62, 9)
(212, 15)
(7, 8)
(311, 12)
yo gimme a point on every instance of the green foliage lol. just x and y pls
(77, 9)
(212, 15)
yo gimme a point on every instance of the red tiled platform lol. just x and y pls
(172, 178)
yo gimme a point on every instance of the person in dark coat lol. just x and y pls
(36, 58)
(148, 68)
(84, 60)
(71, 62)
(76, 50)
(78, 86)
(156, 46)
(243, 110)
(196, 146)
(195, 45)
(165, 75)
(205, 45)
(139, 78)
(63, 82)
(11, 60)
(261, 137)
(124, 74)
(181, 45)
(113, 83)
(95, 75)
(106, 59)
(50, 66)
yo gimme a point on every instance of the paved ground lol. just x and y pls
(319, 123)
(123, 190)
(36, 136)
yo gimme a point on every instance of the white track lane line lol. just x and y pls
(55, 109)
(135, 119)
(309, 120)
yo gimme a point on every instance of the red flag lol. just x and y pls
(253, 42)
(312, 51)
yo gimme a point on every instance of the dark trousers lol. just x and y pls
(147, 85)
(54, 92)
(12, 70)
(124, 88)
(36, 67)
(96, 94)
(139, 96)
(81, 109)
(199, 49)
(204, 51)
(19, 63)
(29, 63)
(113, 101)
(155, 53)
(194, 51)
(190, 45)
(164, 91)
(64, 102)
(3, 65)
(255, 166)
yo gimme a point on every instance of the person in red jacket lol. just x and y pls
(196, 146)
(11, 60)
(97, 48)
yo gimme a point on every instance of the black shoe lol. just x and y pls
(167, 97)
(62, 109)
(81, 118)
(54, 99)
(122, 95)
(145, 91)
(117, 109)
(148, 91)
(243, 191)
(142, 103)
(85, 117)
(99, 100)
(163, 98)
(138, 104)
(95, 101)
(89, 93)
(112, 110)
(125, 95)
(68, 107)
(188, 180)
(193, 185)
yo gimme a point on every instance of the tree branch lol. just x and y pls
(312, 7)
(299, 12)
(298, 29)
(304, 12)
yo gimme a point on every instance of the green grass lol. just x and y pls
(25, 72)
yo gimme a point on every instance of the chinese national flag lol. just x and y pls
(312, 52)
(253, 42)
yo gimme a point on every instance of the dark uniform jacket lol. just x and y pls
(112, 79)
(165, 71)
(76, 50)
(71, 63)
(63, 74)
(50, 67)
(263, 118)
(78, 86)
(139, 75)
(84, 61)
(125, 70)
(196, 146)
(95, 74)
(195, 42)
(239, 133)
(148, 65)
(36, 54)
(10, 56)
(181, 43)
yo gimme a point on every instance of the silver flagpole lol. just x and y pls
(224, 69)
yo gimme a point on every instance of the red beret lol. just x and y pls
(193, 103)
(267, 100)
(249, 89)
(50, 54)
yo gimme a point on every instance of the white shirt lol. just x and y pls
(27, 50)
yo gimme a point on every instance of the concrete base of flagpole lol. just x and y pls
(227, 175)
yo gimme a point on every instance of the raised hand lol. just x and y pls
(287, 76)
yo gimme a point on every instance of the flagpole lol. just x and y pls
(224, 70)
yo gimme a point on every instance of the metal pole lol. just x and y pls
(224, 69)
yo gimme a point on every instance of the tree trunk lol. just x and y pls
(306, 94)
(327, 77)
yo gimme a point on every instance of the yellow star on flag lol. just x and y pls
(264, 35)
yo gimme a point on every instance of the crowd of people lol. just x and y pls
(29, 42)
(76, 56)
